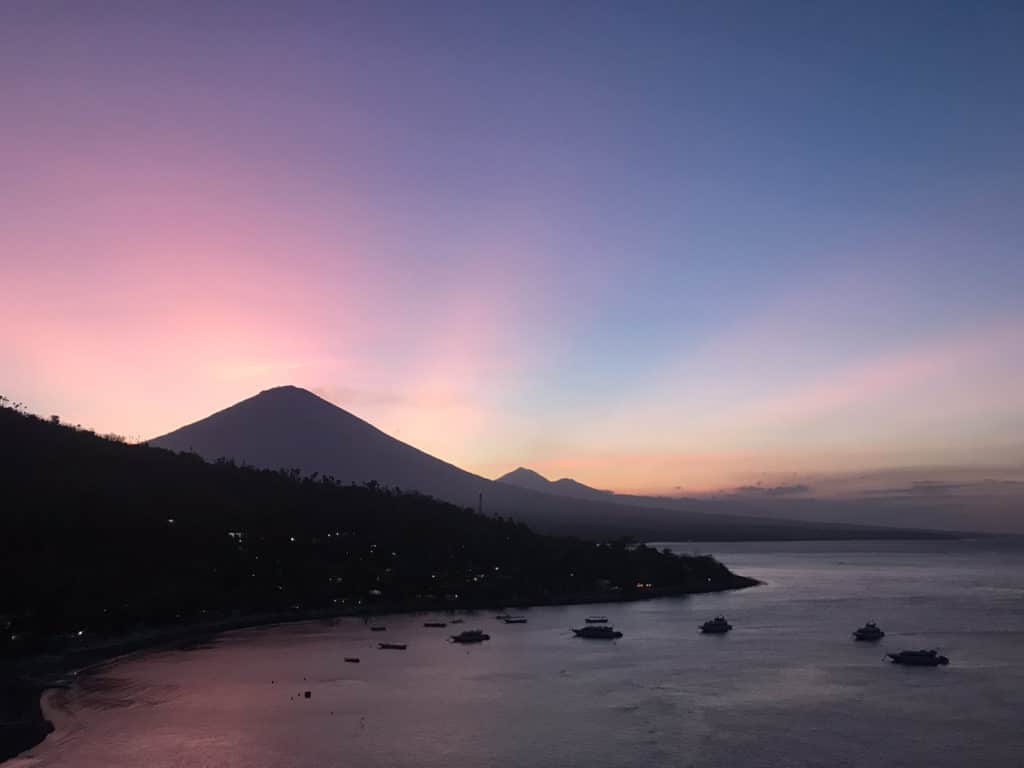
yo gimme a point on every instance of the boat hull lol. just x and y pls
(918, 661)
(597, 635)
(469, 639)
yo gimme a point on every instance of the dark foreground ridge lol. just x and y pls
(115, 547)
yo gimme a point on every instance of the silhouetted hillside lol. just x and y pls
(98, 537)
(293, 428)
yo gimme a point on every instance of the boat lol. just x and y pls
(470, 636)
(392, 646)
(378, 629)
(435, 624)
(515, 620)
(455, 621)
(870, 632)
(920, 658)
(597, 633)
(717, 626)
(351, 659)
(596, 620)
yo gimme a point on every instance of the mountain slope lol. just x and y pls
(288, 427)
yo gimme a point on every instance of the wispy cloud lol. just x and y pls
(770, 491)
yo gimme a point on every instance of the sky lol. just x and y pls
(658, 247)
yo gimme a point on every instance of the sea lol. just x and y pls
(787, 687)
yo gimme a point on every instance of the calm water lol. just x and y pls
(786, 688)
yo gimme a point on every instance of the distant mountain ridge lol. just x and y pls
(292, 428)
(795, 502)
(566, 486)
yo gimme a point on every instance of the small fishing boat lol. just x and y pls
(470, 636)
(435, 624)
(455, 621)
(870, 632)
(515, 620)
(392, 646)
(717, 626)
(597, 633)
(920, 658)
(351, 659)
(596, 620)
(378, 629)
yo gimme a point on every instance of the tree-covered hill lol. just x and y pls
(103, 537)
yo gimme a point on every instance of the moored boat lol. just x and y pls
(378, 628)
(597, 633)
(869, 632)
(392, 646)
(717, 626)
(920, 658)
(596, 620)
(435, 624)
(515, 619)
(471, 636)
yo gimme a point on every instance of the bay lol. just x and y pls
(787, 687)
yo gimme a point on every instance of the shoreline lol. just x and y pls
(23, 682)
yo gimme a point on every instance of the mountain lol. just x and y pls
(534, 481)
(289, 427)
